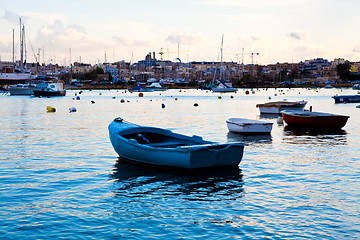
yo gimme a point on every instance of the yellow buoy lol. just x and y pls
(50, 109)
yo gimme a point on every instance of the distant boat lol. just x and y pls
(356, 87)
(248, 126)
(22, 89)
(11, 74)
(278, 106)
(162, 147)
(140, 88)
(314, 120)
(3, 90)
(50, 89)
(156, 87)
(222, 87)
(347, 98)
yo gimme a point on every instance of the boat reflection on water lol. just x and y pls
(314, 136)
(128, 176)
(269, 115)
(248, 139)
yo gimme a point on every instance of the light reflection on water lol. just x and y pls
(60, 176)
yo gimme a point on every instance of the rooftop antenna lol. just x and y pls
(69, 56)
(252, 56)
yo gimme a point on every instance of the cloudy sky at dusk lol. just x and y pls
(279, 30)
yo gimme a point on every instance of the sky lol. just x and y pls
(114, 30)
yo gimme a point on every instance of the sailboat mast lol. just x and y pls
(221, 58)
(13, 53)
(24, 46)
(21, 46)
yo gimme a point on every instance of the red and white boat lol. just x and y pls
(314, 120)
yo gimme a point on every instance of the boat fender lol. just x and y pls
(143, 138)
(118, 119)
(280, 120)
(195, 104)
(50, 109)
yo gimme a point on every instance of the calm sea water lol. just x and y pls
(61, 178)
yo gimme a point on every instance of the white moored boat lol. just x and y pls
(277, 107)
(243, 125)
(22, 89)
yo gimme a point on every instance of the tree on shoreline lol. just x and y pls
(343, 70)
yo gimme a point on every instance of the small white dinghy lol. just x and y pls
(249, 126)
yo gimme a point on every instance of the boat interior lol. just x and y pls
(167, 141)
(160, 140)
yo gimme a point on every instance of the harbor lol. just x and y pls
(61, 176)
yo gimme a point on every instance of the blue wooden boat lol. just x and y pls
(162, 147)
(347, 98)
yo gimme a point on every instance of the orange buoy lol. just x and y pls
(141, 94)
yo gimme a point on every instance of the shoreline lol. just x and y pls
(122, 87)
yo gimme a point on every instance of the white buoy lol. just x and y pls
(280, 120)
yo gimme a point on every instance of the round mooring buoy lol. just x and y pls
(72, 109)
(163, 105)
(141, 94)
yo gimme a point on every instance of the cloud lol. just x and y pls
(356, 48)
(12, 17)
(298, 35)
(183, 38)
(254, 3)
(120, 40)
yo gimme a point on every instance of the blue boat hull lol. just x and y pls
(347, 99)
(169, 149)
